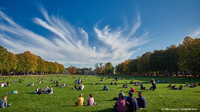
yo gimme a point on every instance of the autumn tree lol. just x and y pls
(109, 68)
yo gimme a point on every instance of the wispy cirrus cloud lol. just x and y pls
(69, 45)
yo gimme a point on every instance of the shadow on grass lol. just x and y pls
(69, 105)
(106, 110)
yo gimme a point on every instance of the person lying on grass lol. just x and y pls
(106, 88)
(120, 105)
(36, 90)
(14, 92)
(95, 84)
(90, 100)
(170, 85)
(80, 100)
(3, 103)
(181, 87)
(141, 101)
(174, 87)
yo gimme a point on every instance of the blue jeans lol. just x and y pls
(139, 104)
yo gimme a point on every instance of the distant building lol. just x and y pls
(90, 71)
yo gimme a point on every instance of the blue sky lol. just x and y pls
(82, 33)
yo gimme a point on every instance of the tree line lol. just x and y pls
(27, 63)
(104, 69)
(182, 59)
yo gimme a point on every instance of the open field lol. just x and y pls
(63, 99)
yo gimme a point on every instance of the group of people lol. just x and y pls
(113, 84)
(48, 90)
(133, 104)
(90, 101)
(4, 84)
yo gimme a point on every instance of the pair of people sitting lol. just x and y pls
(180, 87)
(90, 101)
(132, 90)
(113, 84)
(125, 86)
(48, 90)
(193, 85)
(4, 84)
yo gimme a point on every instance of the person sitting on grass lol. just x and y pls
(136, 84)
(57, 85)
(14, 81)
(193, 85)
(181, 87)
(111, 83)
(131, 82)
(3, 103)
(174, 87)
(82, 87)
(40, 91)
(120, 105)
(165, 81)
(187, 85)
(43, 81)
(45, 90)
(75, 86)
(14, 92)
(50, 90)
(80, 100)
(36, 90)
(20, 80)
(115, 83)
(120, 94)
(39, 81)
(158, 81)
(170, 85)
(142, 87)
(7, 84)
(64, 85)
(141, 101)
(106, 88)
(132, 90)
(131, 103)
(90, 100)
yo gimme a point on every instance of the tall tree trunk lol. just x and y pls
(24, 71)
(176, 73)
(1, 73)
(184, 73)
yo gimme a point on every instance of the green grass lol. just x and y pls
(63, 99)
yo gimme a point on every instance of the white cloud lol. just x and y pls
(70, 46)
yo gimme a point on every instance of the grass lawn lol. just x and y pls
(63, 99)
